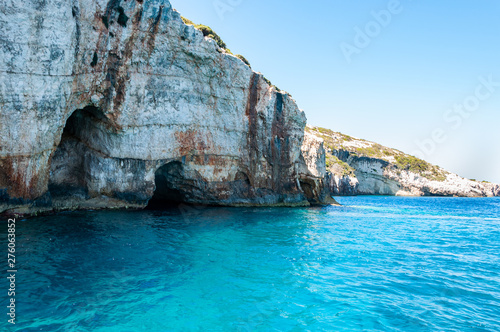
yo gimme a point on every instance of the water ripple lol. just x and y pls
(376, 263)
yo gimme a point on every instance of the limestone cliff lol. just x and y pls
(112, 103)
(360, 167)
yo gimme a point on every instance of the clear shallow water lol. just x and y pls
(377, 263)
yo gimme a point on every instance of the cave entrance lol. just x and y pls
(67, 169)
(308, 187)
(169, 180)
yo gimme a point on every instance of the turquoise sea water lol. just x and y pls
(374, 264)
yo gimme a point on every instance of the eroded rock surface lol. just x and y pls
(313, 175)
(100, 98)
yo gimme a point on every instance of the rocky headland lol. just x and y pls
(359, 167)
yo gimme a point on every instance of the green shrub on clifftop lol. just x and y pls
(207, 32)
(242, 58)
(271, 84)
(412, 164)
(419, 166)
(187, 21)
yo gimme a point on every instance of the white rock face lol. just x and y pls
(412, 184)
(313, 179)
(314, 152)
(371, 177)
(100, 98)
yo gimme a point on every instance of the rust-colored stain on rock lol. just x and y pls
(20, 184)
(191, 142)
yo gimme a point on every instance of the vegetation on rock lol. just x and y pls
(242, 58)
(398, 161)
(271, 84)
(336, 166)
(419, 166)
(208, 32)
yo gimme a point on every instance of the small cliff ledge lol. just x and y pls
(113, 104)
(359, 167)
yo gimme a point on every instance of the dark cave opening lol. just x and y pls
(169, 180)
(67, 169)
(74, 124)
(308, 189)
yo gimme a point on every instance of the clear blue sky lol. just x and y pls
(398, 89)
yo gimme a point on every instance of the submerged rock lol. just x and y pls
(104, 102)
